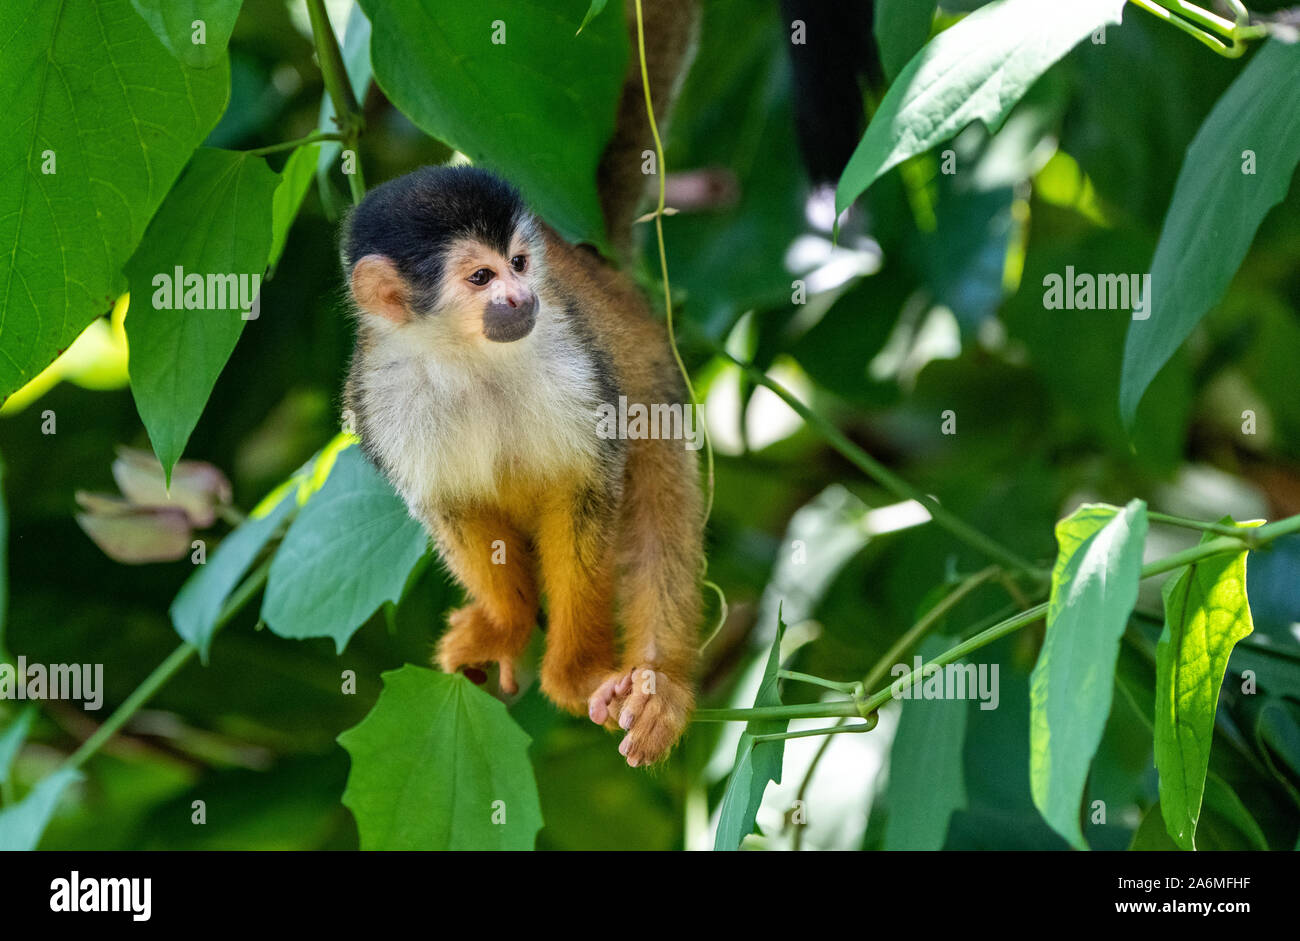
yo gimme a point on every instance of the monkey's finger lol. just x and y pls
(507, 678)
(649, 741)
(643, 743)
(625, 749)
(599, 701)
(633, 706)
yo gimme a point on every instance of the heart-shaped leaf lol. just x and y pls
(438, 764)
(103, 122)
(513, 88)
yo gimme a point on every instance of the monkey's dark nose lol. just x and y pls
(510, 319)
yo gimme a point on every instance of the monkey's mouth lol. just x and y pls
(502, 327)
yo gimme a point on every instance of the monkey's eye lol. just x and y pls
(481, 277)
(519, 262)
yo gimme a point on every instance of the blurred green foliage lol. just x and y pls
(932, 301)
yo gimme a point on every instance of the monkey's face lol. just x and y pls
(484, 295)
(488, 293)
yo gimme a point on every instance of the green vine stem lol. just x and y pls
(661, 174)
(922, 627)
(292, 144)
(346, 110)
(885, 477)
(848, 689)
(1224, 529)
(165, 671)
(1264, 535)
(1202, 25)
(900, 648)
(836, 729)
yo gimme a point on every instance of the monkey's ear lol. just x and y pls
(379, 289)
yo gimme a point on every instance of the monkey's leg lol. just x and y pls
(652, 695)
(489, 557)
(575, 543)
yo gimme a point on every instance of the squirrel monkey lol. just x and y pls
(486, 346)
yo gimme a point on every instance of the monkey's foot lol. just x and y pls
(649, 706)
(471, 644)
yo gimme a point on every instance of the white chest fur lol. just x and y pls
(448, 428)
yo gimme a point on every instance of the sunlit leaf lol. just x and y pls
(975, 70)
(1206, 614)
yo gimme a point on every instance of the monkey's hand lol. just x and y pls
(646, 703)
(472, 642)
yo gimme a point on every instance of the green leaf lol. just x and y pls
(1225, 825)
(1206, 613)
(198, 604)
(593, 11)
(975, 70)
(756, 763)
(92, 90)
(22, 824)
(538, 107)
(4, 562)
(216, 222)
(438, 764)
(1216, 209)
(1277, 736)
(901, 27)
(11, 739)
(1224, 802)
(1094, 587)
(926, 778)
(295, 180)
(349, 551)
(172, 21)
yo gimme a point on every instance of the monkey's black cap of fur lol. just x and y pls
(414, 218)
